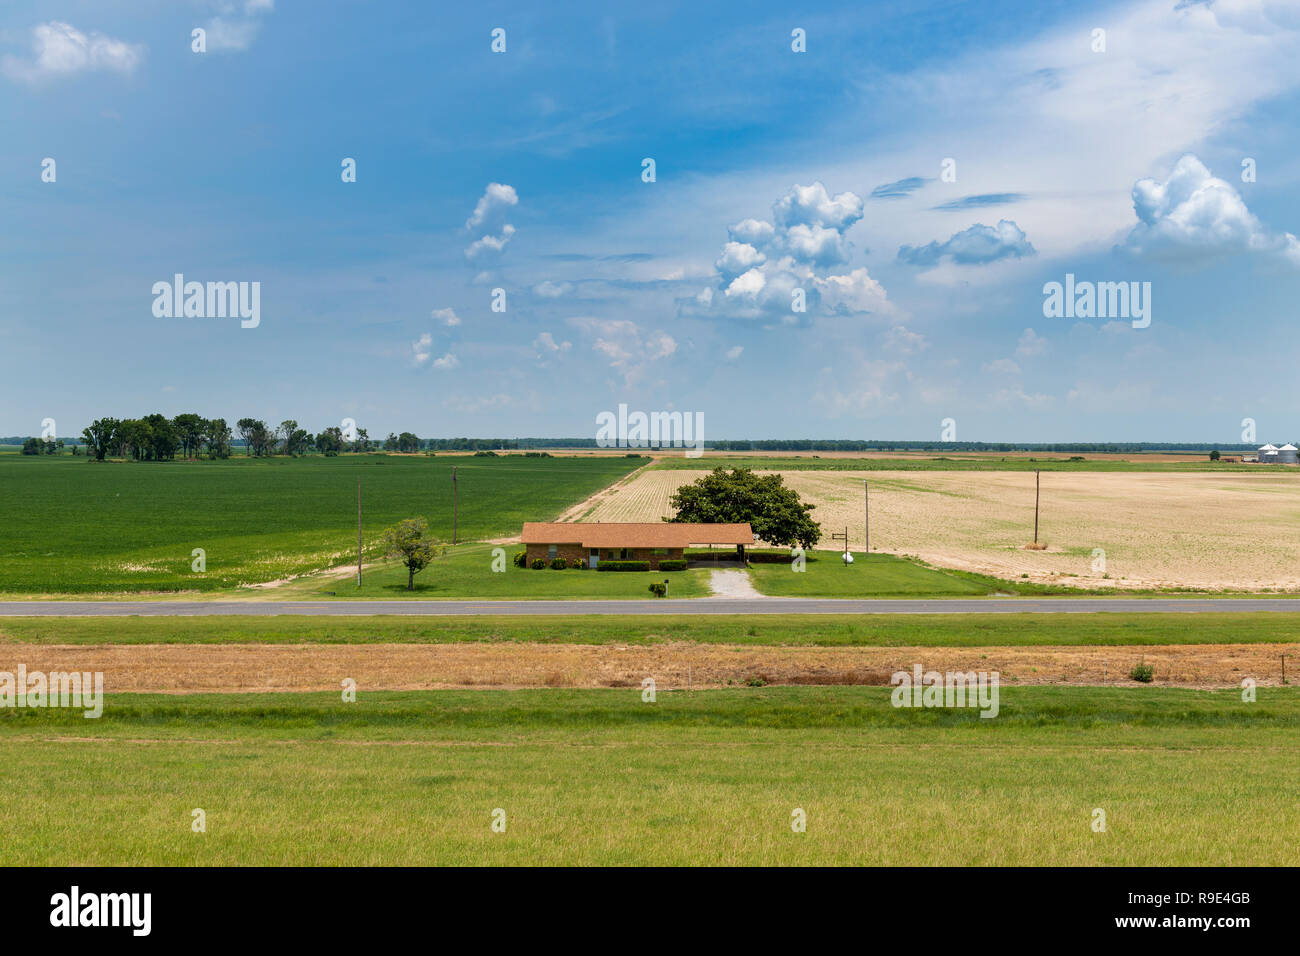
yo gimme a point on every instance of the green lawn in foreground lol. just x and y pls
(1185, 777)
(832, 630)
(79, 527)
(877, 575)
(466, 572)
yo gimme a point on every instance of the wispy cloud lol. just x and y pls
(236, 25)
(980, 201)
(900, 189)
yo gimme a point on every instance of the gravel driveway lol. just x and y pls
(732, 584)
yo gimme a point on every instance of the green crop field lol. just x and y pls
(72, 526)
(601, 777)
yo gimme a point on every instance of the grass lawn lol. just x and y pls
(831, 630)
(79, 527)
(599, 777)
(879, 575)
(466, 572)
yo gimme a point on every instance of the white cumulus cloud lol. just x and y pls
(1194, 213)
(60, 49)
(768, 269)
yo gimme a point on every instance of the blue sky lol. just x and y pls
(821, 171)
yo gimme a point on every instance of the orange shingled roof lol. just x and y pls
(635, 534)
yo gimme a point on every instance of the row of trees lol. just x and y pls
(44, 446)
(159, 438)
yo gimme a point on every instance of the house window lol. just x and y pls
(551, 551)
(625, 553)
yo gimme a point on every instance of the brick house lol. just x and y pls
(653, 541)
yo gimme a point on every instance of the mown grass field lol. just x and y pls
(878, 575)
(466, 572)
(600, 777)
(829, 630)
(72, 526)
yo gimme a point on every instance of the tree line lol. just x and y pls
(159, 438)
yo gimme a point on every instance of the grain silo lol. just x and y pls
(1286, 455)
(1268, 454)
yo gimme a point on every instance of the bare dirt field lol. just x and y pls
(1209, 530)
(917, 455)
(204, 668)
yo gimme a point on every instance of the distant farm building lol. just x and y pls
(1271, 454)
(592, 542)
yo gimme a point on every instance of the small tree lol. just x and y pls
(410, 540)
(1214, 455)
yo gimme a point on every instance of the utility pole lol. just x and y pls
(866, 518)
(1035, 506)
(358, 531)
(455, 505)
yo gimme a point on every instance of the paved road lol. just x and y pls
(1063, 605)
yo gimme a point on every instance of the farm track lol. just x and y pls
(579, 511)
(251, 668)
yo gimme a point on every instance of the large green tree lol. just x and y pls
(189, 430)
(132, 438)
(163, 439)
(217, 437)
(729, 497)
(330, 441)
(293, 440)
(99, 436)
(258, 439)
